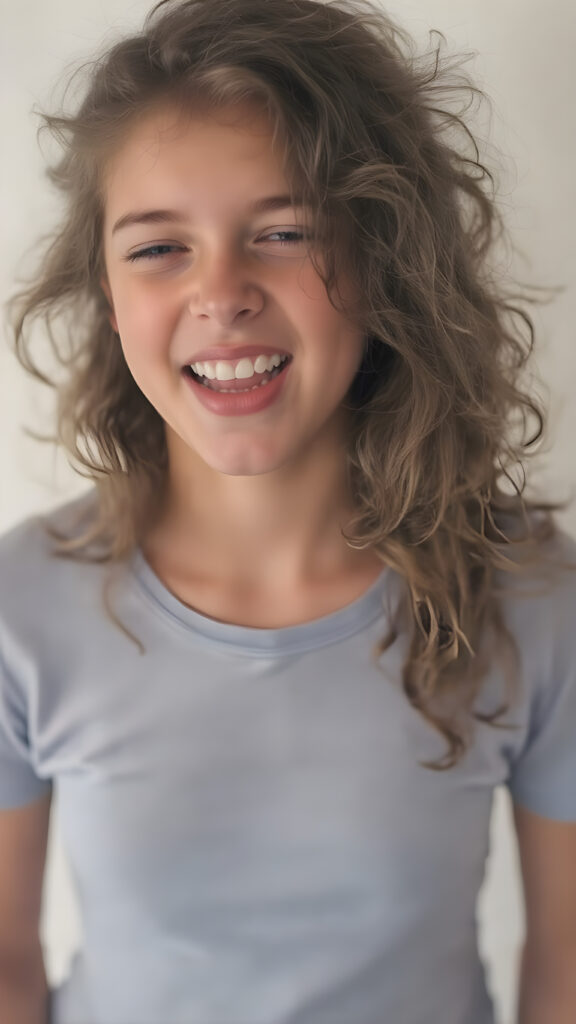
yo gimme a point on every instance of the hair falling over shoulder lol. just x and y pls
(376, 142)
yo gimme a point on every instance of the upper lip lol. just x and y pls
(231, 353)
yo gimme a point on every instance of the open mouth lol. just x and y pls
(257, 380)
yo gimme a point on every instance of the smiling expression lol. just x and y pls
(203, 249)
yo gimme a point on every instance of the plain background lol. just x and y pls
(523, 58)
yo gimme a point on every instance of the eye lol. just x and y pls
(154, 252)
(286, 236)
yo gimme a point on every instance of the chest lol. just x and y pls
(299, 775)
(261, 606)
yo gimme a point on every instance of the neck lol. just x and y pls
(284, 525)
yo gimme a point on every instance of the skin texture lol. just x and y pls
(547, 851)
(266, 493)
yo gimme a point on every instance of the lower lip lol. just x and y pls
(229, 403)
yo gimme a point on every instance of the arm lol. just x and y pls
(547, 851)
(24, 995)
(23, 984)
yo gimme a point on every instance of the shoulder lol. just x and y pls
(538, 608)
(540, 611)
(32, 529)
(27, 548)
(539, 597)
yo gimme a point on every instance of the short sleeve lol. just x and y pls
(19, 784)
(543, 776)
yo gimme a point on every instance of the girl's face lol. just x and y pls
(204, 251)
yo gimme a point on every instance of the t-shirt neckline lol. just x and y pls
(327, 629)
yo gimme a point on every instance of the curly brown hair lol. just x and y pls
(375, 148)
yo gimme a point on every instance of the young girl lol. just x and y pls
(277, 659)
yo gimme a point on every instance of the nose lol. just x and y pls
(224, 288)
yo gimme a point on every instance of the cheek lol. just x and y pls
(315, 304)
(309, 289)
(141, 316)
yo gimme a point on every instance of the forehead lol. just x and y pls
(229, 149)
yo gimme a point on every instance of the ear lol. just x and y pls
(111, 315)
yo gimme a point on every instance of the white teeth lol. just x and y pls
(242, 370)
(224, 371)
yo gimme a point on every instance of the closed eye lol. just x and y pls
(287, 237)
(151, 252)
(284, 237)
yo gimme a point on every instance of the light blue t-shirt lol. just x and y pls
(250, 835)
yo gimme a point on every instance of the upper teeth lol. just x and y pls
(241, 370)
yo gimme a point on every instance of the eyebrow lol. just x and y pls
(264, 205)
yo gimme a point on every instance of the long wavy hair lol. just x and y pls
(377, 149)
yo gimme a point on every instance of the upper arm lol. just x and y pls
(23, 843)
(547, 851)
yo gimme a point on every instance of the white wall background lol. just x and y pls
(525, 62)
